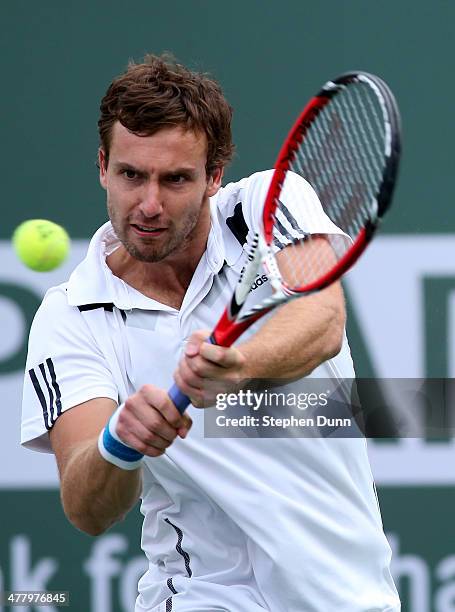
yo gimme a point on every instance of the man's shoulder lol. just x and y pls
(238, 191)
(54, 310)
(55, 299)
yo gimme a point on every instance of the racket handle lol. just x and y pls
(180, 400)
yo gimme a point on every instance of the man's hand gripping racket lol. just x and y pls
(346, 143)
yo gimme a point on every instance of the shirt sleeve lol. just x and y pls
(65, 367)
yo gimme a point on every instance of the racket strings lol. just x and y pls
(342, 156)
(372, 121)
(335, 161)
(366, 140)
(357, 170)
(330, 184)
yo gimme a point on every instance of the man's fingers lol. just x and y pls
(145, 449)
(144, 422)
(194, 393)
(186, 426)
(229, 357)
(195, 341)
(152, 438)
(196, 371)
(150, 422)
(202, 397)
(160, 400)
(218, 363)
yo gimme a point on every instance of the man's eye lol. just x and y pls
(177, 178)
(130, 174)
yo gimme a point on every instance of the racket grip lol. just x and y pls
(180, 400)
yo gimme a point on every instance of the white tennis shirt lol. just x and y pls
(230, 524)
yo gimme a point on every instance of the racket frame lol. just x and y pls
(261, 252)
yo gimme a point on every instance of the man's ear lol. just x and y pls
(214, 182)
(102, 163)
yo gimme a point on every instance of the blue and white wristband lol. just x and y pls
(115, 450)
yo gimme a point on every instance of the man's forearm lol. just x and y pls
(298, 338)
(96, 494)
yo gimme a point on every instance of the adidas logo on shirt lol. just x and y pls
(260, 280)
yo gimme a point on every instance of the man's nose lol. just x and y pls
(151, 202)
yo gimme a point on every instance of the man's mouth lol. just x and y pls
(150, 231)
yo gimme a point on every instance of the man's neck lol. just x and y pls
(164, 281)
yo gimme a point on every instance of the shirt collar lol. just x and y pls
(92, 281)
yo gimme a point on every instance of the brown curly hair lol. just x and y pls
(161, 93)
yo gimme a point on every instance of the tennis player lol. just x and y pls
(230, 524)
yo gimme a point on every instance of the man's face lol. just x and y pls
(158, 190)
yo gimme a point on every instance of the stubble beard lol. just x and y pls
(175, 239)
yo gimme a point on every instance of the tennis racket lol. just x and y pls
(346, 143)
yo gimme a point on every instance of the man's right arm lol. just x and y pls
(95, 493)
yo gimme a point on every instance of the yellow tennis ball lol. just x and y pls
(42, 245)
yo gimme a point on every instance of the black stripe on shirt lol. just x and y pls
(42, 399)
(52, 409)
(171, 587)
(285, 210)
(287, 234)
(58, 395)
(283, 231)
(51, 394)
(279, 227)
(106, 305)
(179, 549)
